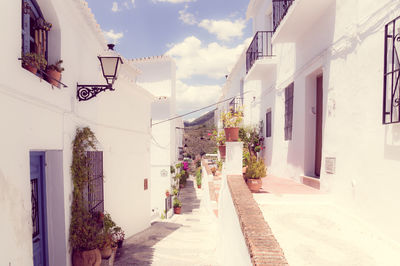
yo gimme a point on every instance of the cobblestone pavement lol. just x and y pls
(186, 239)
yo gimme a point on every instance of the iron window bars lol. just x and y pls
(268, 124)
(391, 73)
(280, 8)
(95, 189)
(288, 111)
(259, 47)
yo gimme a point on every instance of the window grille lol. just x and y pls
(268, 124)
(288, 111)
(95, 187)
(34, 29)
(391, 73)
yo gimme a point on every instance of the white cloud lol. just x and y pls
(115, 7)
(186, 17)
(112, 36)
(189, 98)
(194, 58)
(224, 29)
(174, 1)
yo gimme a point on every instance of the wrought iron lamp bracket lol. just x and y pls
(87, 92)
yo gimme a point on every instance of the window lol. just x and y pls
(391, 73)
(288, 111)
(95, 189)
(34, 29)
(268, 124)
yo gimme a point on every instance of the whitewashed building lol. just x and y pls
(159, 78)
(38, 124)
(315, 75)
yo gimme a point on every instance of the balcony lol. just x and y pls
(292, 18)
(280, 8)
(259, 56)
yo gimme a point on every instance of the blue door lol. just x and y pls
(38, 198)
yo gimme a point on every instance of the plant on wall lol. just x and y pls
(84, 228)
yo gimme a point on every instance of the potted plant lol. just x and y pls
(175, 192)
(33, 62)
(106, 242)
(231, 121)
(167, 193)
(219, 138)
(255, 171)
(118, 236)
(54, 73)
(177, 205)
(198, 177)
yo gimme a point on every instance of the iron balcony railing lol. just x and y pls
(260, 47)
(280, 8)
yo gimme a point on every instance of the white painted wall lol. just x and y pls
(346, 45)
(35, 116)
(158, 77)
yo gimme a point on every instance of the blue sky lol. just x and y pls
(205, 37)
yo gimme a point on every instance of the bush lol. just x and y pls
(256, 168)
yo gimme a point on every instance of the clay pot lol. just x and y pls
(106, 252)
(53, 77)
(254, 184)
(232, 133)
(86, 258)
(199, 186)
(31, 68)
(222, 151)
(167, 194)
(177, 210)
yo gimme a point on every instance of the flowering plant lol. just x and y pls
(232, 118)
(219, 137)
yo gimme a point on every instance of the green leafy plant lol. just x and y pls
(219, 165)
(246, 157)
(57, 66)
(175, 192)
(177, 202)
(172, 169)
(219, 137)
(34, 60)
(256, 168)
(84, 227)
(232, 118)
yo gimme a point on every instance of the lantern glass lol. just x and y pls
(109, 66)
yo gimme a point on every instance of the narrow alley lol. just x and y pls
(189, 238)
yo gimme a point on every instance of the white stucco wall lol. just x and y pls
(36, 117)
(158, 77)
(346, 45)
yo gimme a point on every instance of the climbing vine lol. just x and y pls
(83, 231)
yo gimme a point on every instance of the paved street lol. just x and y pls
(186, 239)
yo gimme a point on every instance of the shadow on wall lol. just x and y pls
(139, 249)
(392, 142)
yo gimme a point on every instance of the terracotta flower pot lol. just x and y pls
(199, 186)
(254, 184)
(31, 68)
(222, 150)
(53, 77)
(232, 133)
(177, 210)
(167, 194)
(86, 258)
(106, 252)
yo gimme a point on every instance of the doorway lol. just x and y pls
(318, 126)
(38, 199)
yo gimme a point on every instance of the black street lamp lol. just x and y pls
(109, 67)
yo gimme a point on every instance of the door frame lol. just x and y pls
(43, 206)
